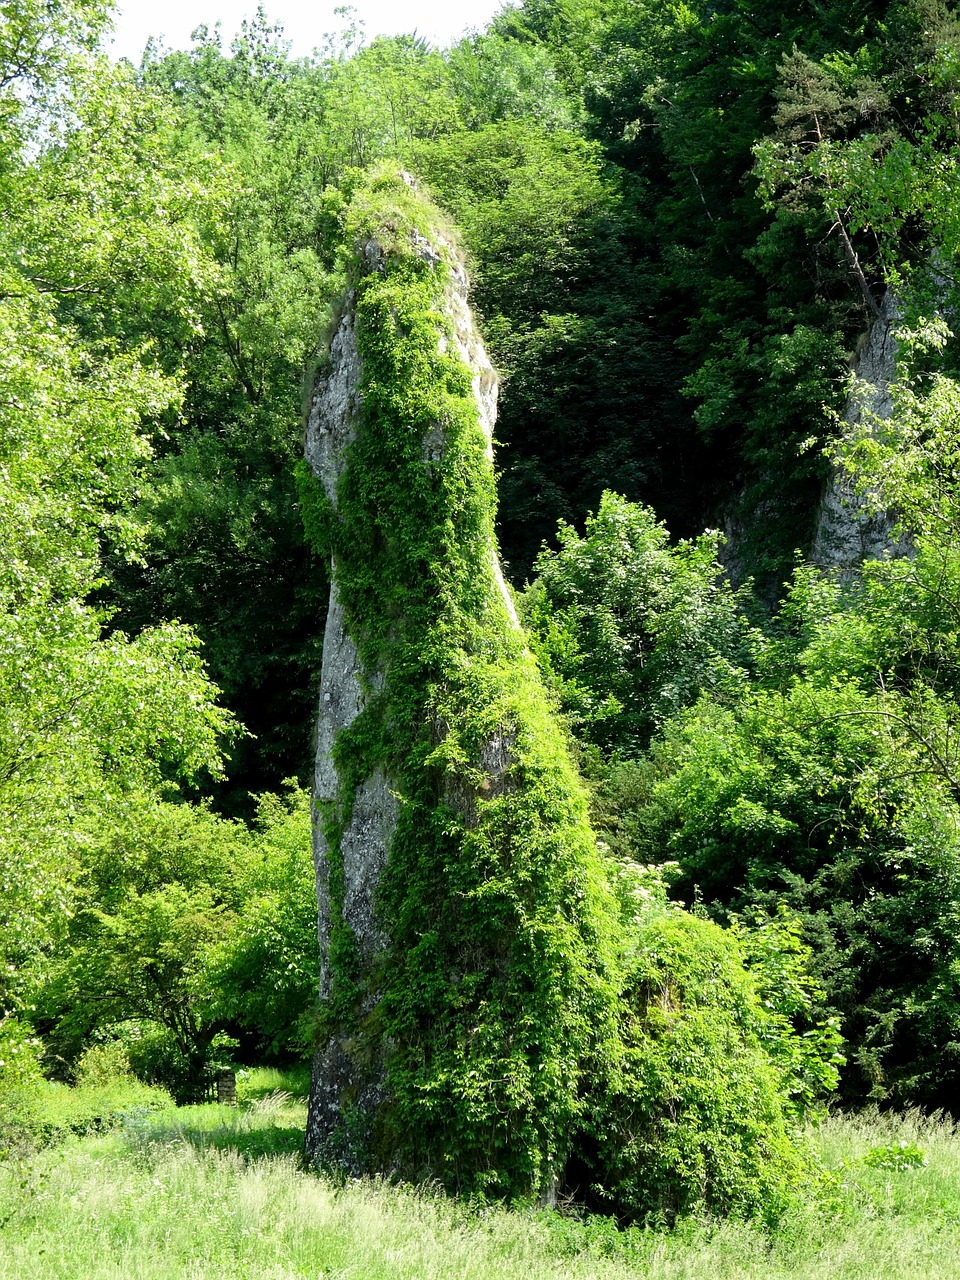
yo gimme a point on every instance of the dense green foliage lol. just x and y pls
(779, 159)
(661, 249)
(93, 720)
(700, 1112)
(651, 626)
(184, 925)
(679, 220)
(821, 777)
(813, 797)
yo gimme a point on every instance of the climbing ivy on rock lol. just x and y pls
(494, 1009)
(496, 990)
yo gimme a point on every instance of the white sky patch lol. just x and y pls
(305, 24)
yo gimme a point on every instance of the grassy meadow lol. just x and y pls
(217, 1193)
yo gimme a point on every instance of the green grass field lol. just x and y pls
(199, 1193)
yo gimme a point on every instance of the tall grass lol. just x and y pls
(258, 1082)
(205, 1193)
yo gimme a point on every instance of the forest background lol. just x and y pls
(681, 221)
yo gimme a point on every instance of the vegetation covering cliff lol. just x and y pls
(475, 973)
(466, 951)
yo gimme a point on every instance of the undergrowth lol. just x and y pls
(173, 1196)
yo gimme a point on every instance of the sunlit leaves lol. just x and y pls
(630, 629)
(86, 716)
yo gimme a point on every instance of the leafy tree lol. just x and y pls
(496, 79)
(832, 786)
(752, 289)
(19, 1077)
(86, 716)
(223, 542)
(814, 798)
(193, 924)
(631, 629)
(824, 779)
(37, 42)
(267, 971)
(146, 960)
(89, 715)
(154, 893)
(165, 898)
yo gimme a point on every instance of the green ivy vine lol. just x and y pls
(497, 993)
(507, 1010)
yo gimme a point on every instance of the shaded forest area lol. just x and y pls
(681, 221)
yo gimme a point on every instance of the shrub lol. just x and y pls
(103, 1064)
(157, 1059)
(20, 1079)
(698, 1116)
(629, 629)
(60, 1110)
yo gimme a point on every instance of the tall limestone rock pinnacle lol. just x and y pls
(465, 923)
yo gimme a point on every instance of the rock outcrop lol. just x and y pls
(461, 905)
(849, 529)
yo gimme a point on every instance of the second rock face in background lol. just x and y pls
(849, 530)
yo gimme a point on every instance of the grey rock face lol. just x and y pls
(334, 405)
(348, 1077)
(849, 530)
(344, 687)
(367, 835)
